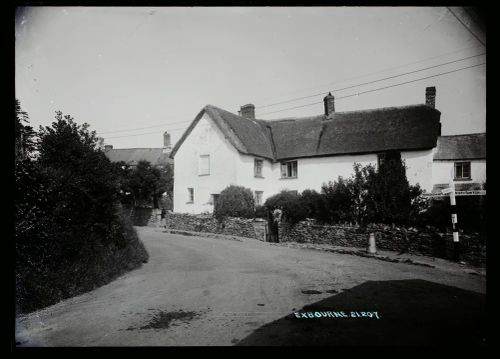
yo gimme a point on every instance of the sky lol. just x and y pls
(133, 73)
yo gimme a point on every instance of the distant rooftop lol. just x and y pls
(461, 147)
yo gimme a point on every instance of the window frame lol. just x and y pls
(258, 203)
(255, 167)
(200, 165)
(461, 164)
(190, 195)
(289, 169)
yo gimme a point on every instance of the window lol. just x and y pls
(387, 156)
(190, 195)
(380, 159)
(462, 171)
(204, 165)
(257, 168)
(289, 169)
(258, 198)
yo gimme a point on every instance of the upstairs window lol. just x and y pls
(258, 198)
(257, 167)
(462, 171)
(190, 195)
(204, 165)
(289, 169)
(391, 155)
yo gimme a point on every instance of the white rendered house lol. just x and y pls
(460, 159)
(221, 148)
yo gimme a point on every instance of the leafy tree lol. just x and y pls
(388, 196)
(314, 204)
(235, 201)
(25, 136)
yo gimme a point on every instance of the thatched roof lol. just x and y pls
(461, 147)
(131, 156)
(399, 128)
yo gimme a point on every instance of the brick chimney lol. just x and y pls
(430, 96)
(108, 147)
(247, 111)
(166, 140)
(329, 102)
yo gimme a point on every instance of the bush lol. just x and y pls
(471, 213)
(314, 204)
(291, 205)
(235, 201)
(261, 212)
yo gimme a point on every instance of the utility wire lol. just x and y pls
(378, 89)
(142, 128)
(467, 27)
(387, 69)
(338, 98)
(371, 82)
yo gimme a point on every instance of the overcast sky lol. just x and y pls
(120, 68)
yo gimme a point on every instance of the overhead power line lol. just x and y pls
(378, 89)
(386, 69)
(338, 98)
(371, 82)
(142, 128)
(146, 133)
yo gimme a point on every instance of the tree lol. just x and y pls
(389, 195)
(25, 136)
(235, 201)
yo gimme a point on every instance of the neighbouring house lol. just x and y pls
(159, 157)
(220, 148)
(461, 159)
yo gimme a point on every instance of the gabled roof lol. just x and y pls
(400, 128)
(131, 156)
(461, 147)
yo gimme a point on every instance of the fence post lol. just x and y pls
(372, 248)
(454, 222)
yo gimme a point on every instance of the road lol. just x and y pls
(209, 291)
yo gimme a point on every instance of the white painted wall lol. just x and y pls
(419, 168)
(443, 171)
(205, 139)
(228, 166)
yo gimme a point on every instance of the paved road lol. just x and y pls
(207, 291)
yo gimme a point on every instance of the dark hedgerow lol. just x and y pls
(70, 232)
(235, 201)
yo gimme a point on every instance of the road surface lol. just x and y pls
(209, 291)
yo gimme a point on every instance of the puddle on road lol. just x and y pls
(311, 291)
(163, 320)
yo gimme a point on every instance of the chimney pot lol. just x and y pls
(248, 111)
(430, 96)
(166, 140)
(329, 102)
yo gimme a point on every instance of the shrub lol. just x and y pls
(314, 204)
(235, 201)
(261, 212)
(291, 205)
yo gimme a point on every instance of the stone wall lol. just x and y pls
(424, 242)
(242, 227)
